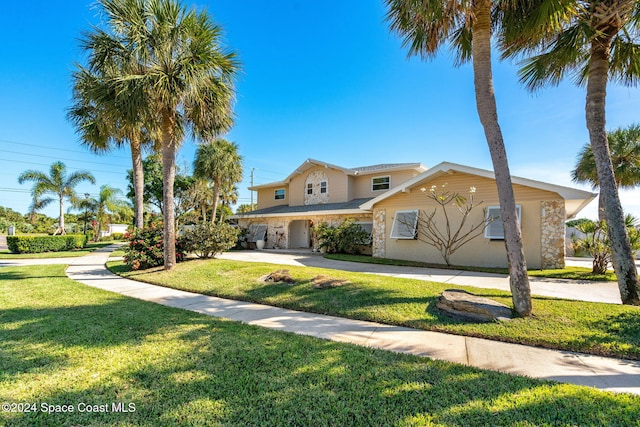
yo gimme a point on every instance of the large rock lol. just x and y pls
(466, 306)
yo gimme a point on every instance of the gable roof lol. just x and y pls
(362, 170)
(575, 199)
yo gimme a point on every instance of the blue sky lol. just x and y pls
(324, 80)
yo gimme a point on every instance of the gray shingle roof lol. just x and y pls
(284, 209)
(383, 166)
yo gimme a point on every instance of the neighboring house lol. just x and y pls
(387, 198)
(114, 228)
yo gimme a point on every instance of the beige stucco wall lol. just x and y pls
(361, 185)
(480, 251)
(266, 197)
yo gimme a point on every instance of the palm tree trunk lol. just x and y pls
(61, 218)
(168, 178)
(487, 111)
(622, 255)
(138, 181)
(216, 197)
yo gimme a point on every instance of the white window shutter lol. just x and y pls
(404, 225)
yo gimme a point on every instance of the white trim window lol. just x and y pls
(257, 232)
(405, 225)
(368, 228)
(279, 194)
(380, 183)
(323, 187)
(495, 228)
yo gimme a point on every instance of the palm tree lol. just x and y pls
(594, 41)
(57, 183)
(624, 145)
(108, 205)
(175, 55)
(103, 119)
(467, 28)
(219, 162)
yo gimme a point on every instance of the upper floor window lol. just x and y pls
(323, 187)
(381, 183)
(495, 228)
(310, 188)
(279, 194)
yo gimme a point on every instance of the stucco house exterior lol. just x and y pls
(384, 198)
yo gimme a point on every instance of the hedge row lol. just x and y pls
(37, 244)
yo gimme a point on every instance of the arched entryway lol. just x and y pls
(299, 234)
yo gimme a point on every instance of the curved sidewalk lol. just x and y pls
(603, 373)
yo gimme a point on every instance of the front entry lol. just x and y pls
(299, 234)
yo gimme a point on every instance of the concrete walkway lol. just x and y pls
(604, 373)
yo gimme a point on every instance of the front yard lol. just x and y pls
(98, 353)
(603, 329)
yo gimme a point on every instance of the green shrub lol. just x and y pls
(206, 239)
(347, 238)
(117, 236)
(146, 249)
(38, 244)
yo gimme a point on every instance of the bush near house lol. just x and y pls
(344, 239)
(146, 249)
(39, 244)
(205, 240)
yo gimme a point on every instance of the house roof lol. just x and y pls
(362, 170)
(575, 199)
(351, 207)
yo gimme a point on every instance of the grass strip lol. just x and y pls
(64, 343)
(90, 247)
(572, 273)
(595, 328)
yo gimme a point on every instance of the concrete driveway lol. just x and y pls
(567, 289)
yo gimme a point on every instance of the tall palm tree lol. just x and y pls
(467, 28)
(175, 55)
(594, 41)
(624, 145)
(58, 184)
(103, 119)
(219, 162)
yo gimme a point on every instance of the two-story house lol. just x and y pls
(389, 199)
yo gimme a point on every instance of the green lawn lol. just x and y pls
(573, 273)
(5, 254)
(64, 343)
(603, 329)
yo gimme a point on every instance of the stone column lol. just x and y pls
(379, 233)
(552, 233)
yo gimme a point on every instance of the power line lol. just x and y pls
(53, 148)
(51, 157)
(45, 164)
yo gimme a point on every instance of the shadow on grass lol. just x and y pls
(214, 372)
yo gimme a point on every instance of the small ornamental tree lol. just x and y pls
(445, 236)
(206, 240)
(146, 248)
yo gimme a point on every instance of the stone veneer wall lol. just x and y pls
(317, 198)
(378, 238)
(552, 233)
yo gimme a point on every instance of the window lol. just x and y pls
(257, 232)
(323, 187)
(405, 224)
(367, 227)
(309, 188)
(380, 183)
(495, 229)
(279, 194)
